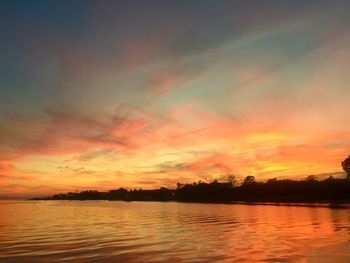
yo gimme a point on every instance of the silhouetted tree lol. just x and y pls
(272, 181)
(346, 166)
(179, 186)
(214, 181)
(311, 178)
(231, 179)
(330, 178)
(249, 180)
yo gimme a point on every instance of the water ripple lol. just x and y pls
(170, 232)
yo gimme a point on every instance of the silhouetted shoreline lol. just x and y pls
(334, 192)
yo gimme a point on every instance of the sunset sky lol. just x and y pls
(108, 94)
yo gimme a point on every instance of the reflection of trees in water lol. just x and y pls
(340, 219)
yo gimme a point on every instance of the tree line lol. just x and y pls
(309, 190)
(273, 190)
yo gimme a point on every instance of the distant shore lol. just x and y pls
(331, 192)
(335, 204)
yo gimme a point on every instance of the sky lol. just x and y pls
(144, 94)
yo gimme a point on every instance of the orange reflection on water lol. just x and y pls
(91, 231)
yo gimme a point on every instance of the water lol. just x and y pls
(102, 231)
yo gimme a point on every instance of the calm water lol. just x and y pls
(95, 231)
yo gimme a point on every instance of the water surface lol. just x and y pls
(102, 231)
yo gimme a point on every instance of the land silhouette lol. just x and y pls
(309, 190)
(333, 190)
